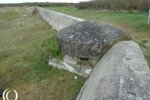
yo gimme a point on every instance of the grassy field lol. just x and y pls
(133, 23)
(25, 44)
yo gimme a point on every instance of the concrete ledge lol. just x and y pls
(122, 74)
(56, 19)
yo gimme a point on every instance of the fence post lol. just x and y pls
(149, 17)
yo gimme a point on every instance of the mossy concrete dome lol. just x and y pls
(87, 39)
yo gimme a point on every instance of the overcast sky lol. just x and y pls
(21, 1)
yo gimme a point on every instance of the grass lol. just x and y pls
(26, 42)
(54, 48)
(134, 24)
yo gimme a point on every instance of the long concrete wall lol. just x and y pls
(56, 19)
(122, 74)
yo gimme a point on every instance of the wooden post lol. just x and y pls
(149, 17)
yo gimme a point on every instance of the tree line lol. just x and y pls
(114, 5)
(36, 4)
(128, 5)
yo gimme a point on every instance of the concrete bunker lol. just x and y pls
(121, 74)
(86, 41)
(82, 42)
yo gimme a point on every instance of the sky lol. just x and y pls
(21, 1)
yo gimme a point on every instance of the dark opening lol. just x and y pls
(84, 59)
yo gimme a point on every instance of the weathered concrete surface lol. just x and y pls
(87, 39)
(70, 64)
(56, 19)
(122, 74)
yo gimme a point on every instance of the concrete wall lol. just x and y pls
(56, 19)
(122, 74)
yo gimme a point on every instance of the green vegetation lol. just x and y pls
(26, 42)
(54, 48)
(134, 24)
(30, 4)
(116, 5)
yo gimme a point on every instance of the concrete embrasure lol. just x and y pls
(70, 64)
(56, 19)
(122, 74)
